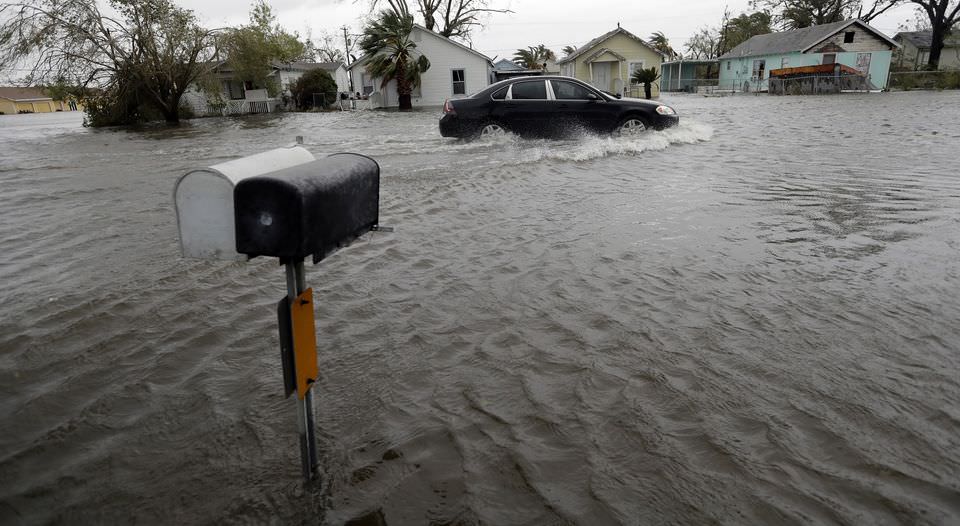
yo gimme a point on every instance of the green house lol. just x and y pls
(851, 43)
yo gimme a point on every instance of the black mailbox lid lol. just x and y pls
(309, 209)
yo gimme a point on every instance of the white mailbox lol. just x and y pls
(204, 201)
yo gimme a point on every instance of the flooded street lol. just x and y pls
(751, 318)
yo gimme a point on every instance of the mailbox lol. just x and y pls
(204, 201)
(309, 209)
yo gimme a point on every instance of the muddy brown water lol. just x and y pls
(752, 318)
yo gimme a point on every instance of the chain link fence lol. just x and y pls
(924, 80)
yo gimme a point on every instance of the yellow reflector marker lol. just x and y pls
(304, 342)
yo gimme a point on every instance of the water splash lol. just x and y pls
(584, 147)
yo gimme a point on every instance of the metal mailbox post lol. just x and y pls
(287, 204)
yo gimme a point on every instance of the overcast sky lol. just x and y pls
(550, 22)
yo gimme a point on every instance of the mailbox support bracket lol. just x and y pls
(296, 284)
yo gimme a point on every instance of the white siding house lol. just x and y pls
(455, 71)
(239, 97)
(290, 73)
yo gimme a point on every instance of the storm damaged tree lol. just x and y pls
(661, 43)
(253, 49)
(534, 57)
(797, 14)
(393, 55)
(140, 56)
(450, 18)
(704, 44)
(739, 29)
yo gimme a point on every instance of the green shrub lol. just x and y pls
(316, 81)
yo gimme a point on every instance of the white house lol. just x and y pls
(455, 71)
(239, 97)
(290, 73)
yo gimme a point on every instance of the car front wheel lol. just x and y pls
(630, 127)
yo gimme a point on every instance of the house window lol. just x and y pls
(784, 62)
(758, 67)
(863, 62)
(631, 67)
(728, 64)
(829, 58)
(848, 37)
(459, 82)
(367, 84)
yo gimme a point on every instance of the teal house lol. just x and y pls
(851, 43)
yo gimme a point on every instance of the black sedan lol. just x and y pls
(549, 106)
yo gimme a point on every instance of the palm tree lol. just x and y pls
(645, 76)
(534, 57)
(387, 40)
(660, 42)
(569, 50)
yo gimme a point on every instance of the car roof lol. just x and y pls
(500, 84)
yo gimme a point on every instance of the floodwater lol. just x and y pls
(751, 318)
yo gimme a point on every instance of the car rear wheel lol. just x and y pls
(492, 129)
(631, 127)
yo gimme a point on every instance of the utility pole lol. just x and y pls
(346, 50)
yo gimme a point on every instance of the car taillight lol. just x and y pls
(448, 107)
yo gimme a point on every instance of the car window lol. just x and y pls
(500, 94)
(568, 90)
(530, 90)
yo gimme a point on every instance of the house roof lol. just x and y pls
(920, 39)
(23, 94)
(801, 40)
(365, 58)
(600, 39)
(506, 65)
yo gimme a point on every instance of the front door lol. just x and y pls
(601, 75)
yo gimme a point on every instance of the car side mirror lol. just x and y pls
(592, 97)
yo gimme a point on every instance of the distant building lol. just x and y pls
(608, 61)
(505, 69)
(850, 43)
(455, 71)
(15, 100)
(915, 52)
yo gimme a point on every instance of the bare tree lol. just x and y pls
(450, 18)
(795, 14)
(151, 46)
(704, 44)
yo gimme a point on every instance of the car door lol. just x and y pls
(584, 108)
(527, 108)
